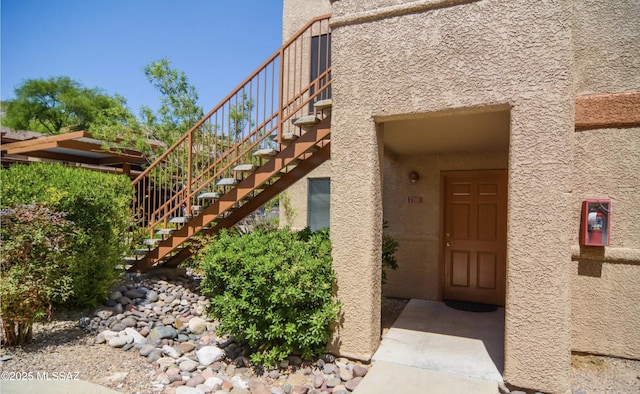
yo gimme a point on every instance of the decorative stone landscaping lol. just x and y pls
(164, 320)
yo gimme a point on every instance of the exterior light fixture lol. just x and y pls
(414, 176)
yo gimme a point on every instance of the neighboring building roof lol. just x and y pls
(77, 148)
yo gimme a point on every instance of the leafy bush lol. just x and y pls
(389, 247)
(273, 289)
(99, 206)
(35, 256)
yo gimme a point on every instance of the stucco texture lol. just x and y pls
(515, 53)
(606, 295)
(298, 12)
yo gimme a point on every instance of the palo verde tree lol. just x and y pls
(178, 110)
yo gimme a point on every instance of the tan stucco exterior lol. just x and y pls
(423, 66)
(605, 311)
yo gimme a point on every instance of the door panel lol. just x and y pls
(475, 217)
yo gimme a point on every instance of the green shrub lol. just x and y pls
(34, 256)
(99, 206)
(272, 289)
(389, 248)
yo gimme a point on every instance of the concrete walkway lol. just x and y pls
(52, 387)
(439, 349)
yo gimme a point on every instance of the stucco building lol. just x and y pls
(476, 129)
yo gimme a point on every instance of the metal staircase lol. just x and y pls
(263, 137)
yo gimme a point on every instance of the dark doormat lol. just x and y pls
(470, 306)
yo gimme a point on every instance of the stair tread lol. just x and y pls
(165, 231)
(244, 167)
(151, 242)
(140, 252)
(179, 219)
(227, 182)
(323, 104)
(265, 152)
(306, 121)
(209, 195)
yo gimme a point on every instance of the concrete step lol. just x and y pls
(385, 378)
(179, 220)
(209, 196)
(323, 104)
(265, 153)
(140, 252)
(227, 182)
(165, 231)
(244, 168)
(305, 121)
(151, 242)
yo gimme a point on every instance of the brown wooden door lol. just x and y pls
(475, 227)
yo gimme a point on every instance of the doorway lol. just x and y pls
(473, 233)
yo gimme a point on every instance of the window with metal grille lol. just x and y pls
(319, 196)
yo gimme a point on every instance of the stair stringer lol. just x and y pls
(304, 168)
(240, 192)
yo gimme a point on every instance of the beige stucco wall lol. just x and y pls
(297, 195)
(605, 293)
(515, 53)
(416, 226)
(298, 12)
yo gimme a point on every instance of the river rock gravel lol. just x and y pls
(152, 335)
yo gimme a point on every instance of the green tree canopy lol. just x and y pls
(179, 109)
(59, 105)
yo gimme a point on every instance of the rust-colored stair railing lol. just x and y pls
(254, 116)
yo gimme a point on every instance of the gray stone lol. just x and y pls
(104, 314)
(118, 326)
(197, 325)
(207, 355)
(134, 293)
(165, 362)
(295, 360)
(146, 349)
(239, 383)
(119, 341)
(154, 355)
(318, 381)
(115, 295)
(274, 374)
(171, 351)
(137, 337)
(118, 308)
(333, 382)
(163, 332)
(328, 368)
(152, 296)
(214, 382)
(353, 383)
(277, 390)
(188, 366)
(129, 321)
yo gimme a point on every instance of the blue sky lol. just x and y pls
(106, 44)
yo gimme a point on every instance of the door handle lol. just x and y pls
(448, 244)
